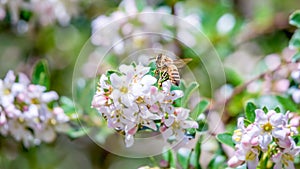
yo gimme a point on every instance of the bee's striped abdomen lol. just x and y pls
(174, 75)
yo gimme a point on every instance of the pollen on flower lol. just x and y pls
(6, 91)
(137, 102)
(27, 112)
(268, 136)
(267, 127)
(124, 89)
(250, 155)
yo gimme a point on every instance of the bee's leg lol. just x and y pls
(165, 76)
(162, 77)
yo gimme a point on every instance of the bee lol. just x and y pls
(168, 68)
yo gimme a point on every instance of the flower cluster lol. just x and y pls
(46, 11)
(267, 139)
(130, 100)
(27, 112)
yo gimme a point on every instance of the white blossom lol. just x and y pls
(130, 100)
(25, 113)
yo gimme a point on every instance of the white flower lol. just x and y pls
(176, 124)
(285, 158)
(24, 111)
(129, 101)
(271, 124)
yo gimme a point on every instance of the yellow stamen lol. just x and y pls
(267, 127)
(6, 91)
(250, 156)
(124, 89)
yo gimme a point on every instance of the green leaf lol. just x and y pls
(233, 77)
(295, 40)
(295, 18)
(277, 109)
(188, 92)
(225, 138)
(265, 109)
(203, 126)
(40, 74)
(250, 111)
(110, 72)
(76, 133)
(296, 57)
(140, 5)
(217, 162)
(287, 104)
(199, 109)
(170, 157)
(183, 156)
(67, 105)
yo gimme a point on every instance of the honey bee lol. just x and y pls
(168, 68)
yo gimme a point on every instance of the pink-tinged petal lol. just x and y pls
(278, 165)
(141, 70)
(129, 140)
(32, 112)
(296, 75)
(116, 81)
(189, 124)
(49, 96)
(254, 141)
(182, 113)
(253, 130)
(148, 80)
(153, 90)
(103, 82)
(60, 115)
(264, 140)
(132, 129)
(240, 123)
(126, 69)
(2, 118)
(166, 86)
(282, 85)
(167, 133)
(169, 121)
(23, 79)
(175, 94)
(154, 108)
(17, 88)
(290, 165)
(246, 140)
(168, 108)
(285, 143)
(296, 96)
(234, 162)
(295, 122)
(276, 157)
(296, 150)
(271, 113)
(10, 77)
(276, 119)
(279, 133)
(253, 163)
(98, 101)
(261, 117)
(150, 125)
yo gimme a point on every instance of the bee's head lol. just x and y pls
(159, 60)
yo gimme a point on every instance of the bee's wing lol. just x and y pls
(151, 59)
(180, 63)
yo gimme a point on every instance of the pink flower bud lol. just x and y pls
(234, 162)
